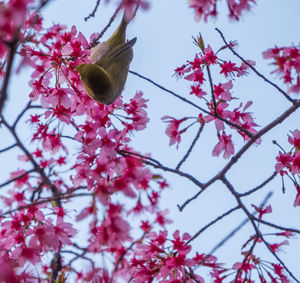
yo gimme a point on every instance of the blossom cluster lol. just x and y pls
(208, 8)
(218, 103)
(12, 15)
(287, 63)
(168, 260)
(70, 132)
(289, 162)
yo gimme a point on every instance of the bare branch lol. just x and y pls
(211, 223)
(191, 147)
(239, 227)
(237, 156)
(64, 196)
(96, 40)
(250, 252)
(92, 14)
(16, 178)
(253, 69)
(279, 260)
(260, 186)
(8, 148)
(37, 168)
(212, 90)
(277, 226)
(156, 164)
(238, 127)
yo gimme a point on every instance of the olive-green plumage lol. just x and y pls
(105, 78)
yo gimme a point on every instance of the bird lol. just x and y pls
(105, 77)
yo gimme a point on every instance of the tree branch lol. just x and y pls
(92, 14)
(238, 127)
(253, 69)
(191, 147)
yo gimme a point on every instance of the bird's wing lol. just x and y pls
(122, 53)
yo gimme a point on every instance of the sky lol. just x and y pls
(164, 42)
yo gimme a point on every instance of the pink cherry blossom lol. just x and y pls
(261, 211)
(173, 129)
(284, 161)
(225, 144)
(295, 139)
(297, 199)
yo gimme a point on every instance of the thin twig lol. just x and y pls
(125, 252)
(156, 164)
(260, 186)
(21, 114)
(92, 14)
(65, 196)
(193, 104)
(96, 40)
(277, 226)
(16, 178)
(259, 134)
(78, 256)
(237, 156)
(191, 147)
(252, 220)
(37, 168)
(240, 203)
(8, 148)
(254, 70)
(212, 90)
(235, 230)
(246, 258)
(43, 3)
(279, 260)
(211, 223)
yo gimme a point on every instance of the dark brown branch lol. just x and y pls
(239, 227)
(237, 156)
(211, 223)
(238, 127)
(259, 134)
(155, 164)
(125, 252)
(260, 186)
(253, 69)
(8, 148)
(55, 266)
(21, 114)
(65, 196)
(37, 168)
(246, 257)
(240, 203)
(191, 147)
(78, 256)
(212, 90)
(252, 220)
(277, 226)
(43, 3)
(96, 40)
(92, 14)
(279, 260)
(82, 255)
(16, 178)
